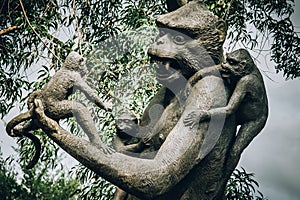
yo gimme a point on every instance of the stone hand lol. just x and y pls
(193, 118)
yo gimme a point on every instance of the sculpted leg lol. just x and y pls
(246, 134)
(81, 113)
(83, 117)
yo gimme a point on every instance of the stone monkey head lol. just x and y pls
(127, 125)
(238, 63)
(191, 38)
(75, 62)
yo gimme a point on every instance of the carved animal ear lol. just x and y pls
(222, 29)
(175, 4)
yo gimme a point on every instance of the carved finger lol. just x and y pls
(147, 139)
(188, 119)
(188, 122)
(108, 150)
(193, 114)
(38, 104)
(38, 109)
(193, 125)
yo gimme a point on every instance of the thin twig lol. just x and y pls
(35, 32)
(227, 10)
(9, 29)
(77, 26)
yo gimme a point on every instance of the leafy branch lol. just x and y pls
(35, 32)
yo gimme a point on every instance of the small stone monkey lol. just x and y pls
(127, 134)
(248, 100)
(54, 97)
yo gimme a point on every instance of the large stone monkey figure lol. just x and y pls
(180, 51)
(54, 96)
(248, 100)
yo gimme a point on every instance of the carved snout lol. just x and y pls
(160, 44)
(163, 48)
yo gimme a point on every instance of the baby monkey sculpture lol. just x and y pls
(54, 97)
(248, 100)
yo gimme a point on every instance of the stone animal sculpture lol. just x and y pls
(54, 96)
(127, 130)
(177, 54)
(248, 101)
(177, 160)
(179, 169)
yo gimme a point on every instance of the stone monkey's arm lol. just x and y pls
(121, 147)
(89, 92)
(196, 116)
(236, 98)
(146, 178)
(212, 70)
(143, 177)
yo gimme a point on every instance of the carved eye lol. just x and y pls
(179, 39)
(232, 61)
